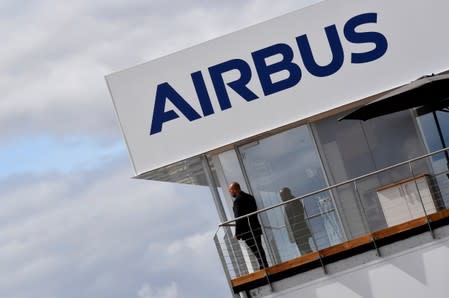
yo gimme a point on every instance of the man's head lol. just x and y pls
(286, 194)
(234, 189)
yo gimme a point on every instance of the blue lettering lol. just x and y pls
(203, 95)
(165, 91)
(238, 85)
(381, 43)
(309, 60)
(265, 71)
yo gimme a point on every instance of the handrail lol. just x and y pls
(227, 223)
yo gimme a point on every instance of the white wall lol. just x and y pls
(417, 273)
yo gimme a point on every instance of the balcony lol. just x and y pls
(416, 203)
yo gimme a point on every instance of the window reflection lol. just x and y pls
(354, 148)
(290, 160)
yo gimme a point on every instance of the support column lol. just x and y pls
(213, 189)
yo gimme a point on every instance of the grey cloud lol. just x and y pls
(54, 59)
(147, 291)
(99, 233)
(102, 234)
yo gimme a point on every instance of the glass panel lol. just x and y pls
(344, 148)
(346, 155)
(435, 191)
(231, 169)
(288, 160)
(227, 169)
(429, 129)
(434, 141)
(326, 230)
(353, 148)
(392, 139)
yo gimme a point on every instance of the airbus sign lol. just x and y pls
(275, 73)
(166, 92)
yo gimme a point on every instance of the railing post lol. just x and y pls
(223, 262)
(231, 242)
(365, 217)
(313, 239)
(270, 249)
(261, 263)
(422, 203)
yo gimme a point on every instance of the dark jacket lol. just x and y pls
(243, 204)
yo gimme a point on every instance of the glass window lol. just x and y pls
(289, 160)
(392, 139)
(231, 169)
(353, 148)
(227, 169)
(344, 148)
(435, 141)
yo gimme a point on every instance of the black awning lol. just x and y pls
(430, 92)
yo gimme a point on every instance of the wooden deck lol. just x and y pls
(341, 251)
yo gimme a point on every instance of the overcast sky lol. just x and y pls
(72, 222)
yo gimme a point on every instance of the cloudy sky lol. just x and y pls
(72, 222)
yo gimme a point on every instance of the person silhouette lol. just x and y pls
(297, 227)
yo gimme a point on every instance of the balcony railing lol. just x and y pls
(361, 212)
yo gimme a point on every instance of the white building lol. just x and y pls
(263, 107)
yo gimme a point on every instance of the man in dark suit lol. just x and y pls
(246, 229)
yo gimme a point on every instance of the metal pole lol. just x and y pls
(440, 134)
(273, 252)
(313, 239)
(270, 249)
(223, 262)
(213, 189)
(323, 168)
(233, 247)
(422, 203)
(260, 256)
(244, 173)
(365, 217)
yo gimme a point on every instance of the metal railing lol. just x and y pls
(338, 213)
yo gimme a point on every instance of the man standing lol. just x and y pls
(248, 229)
